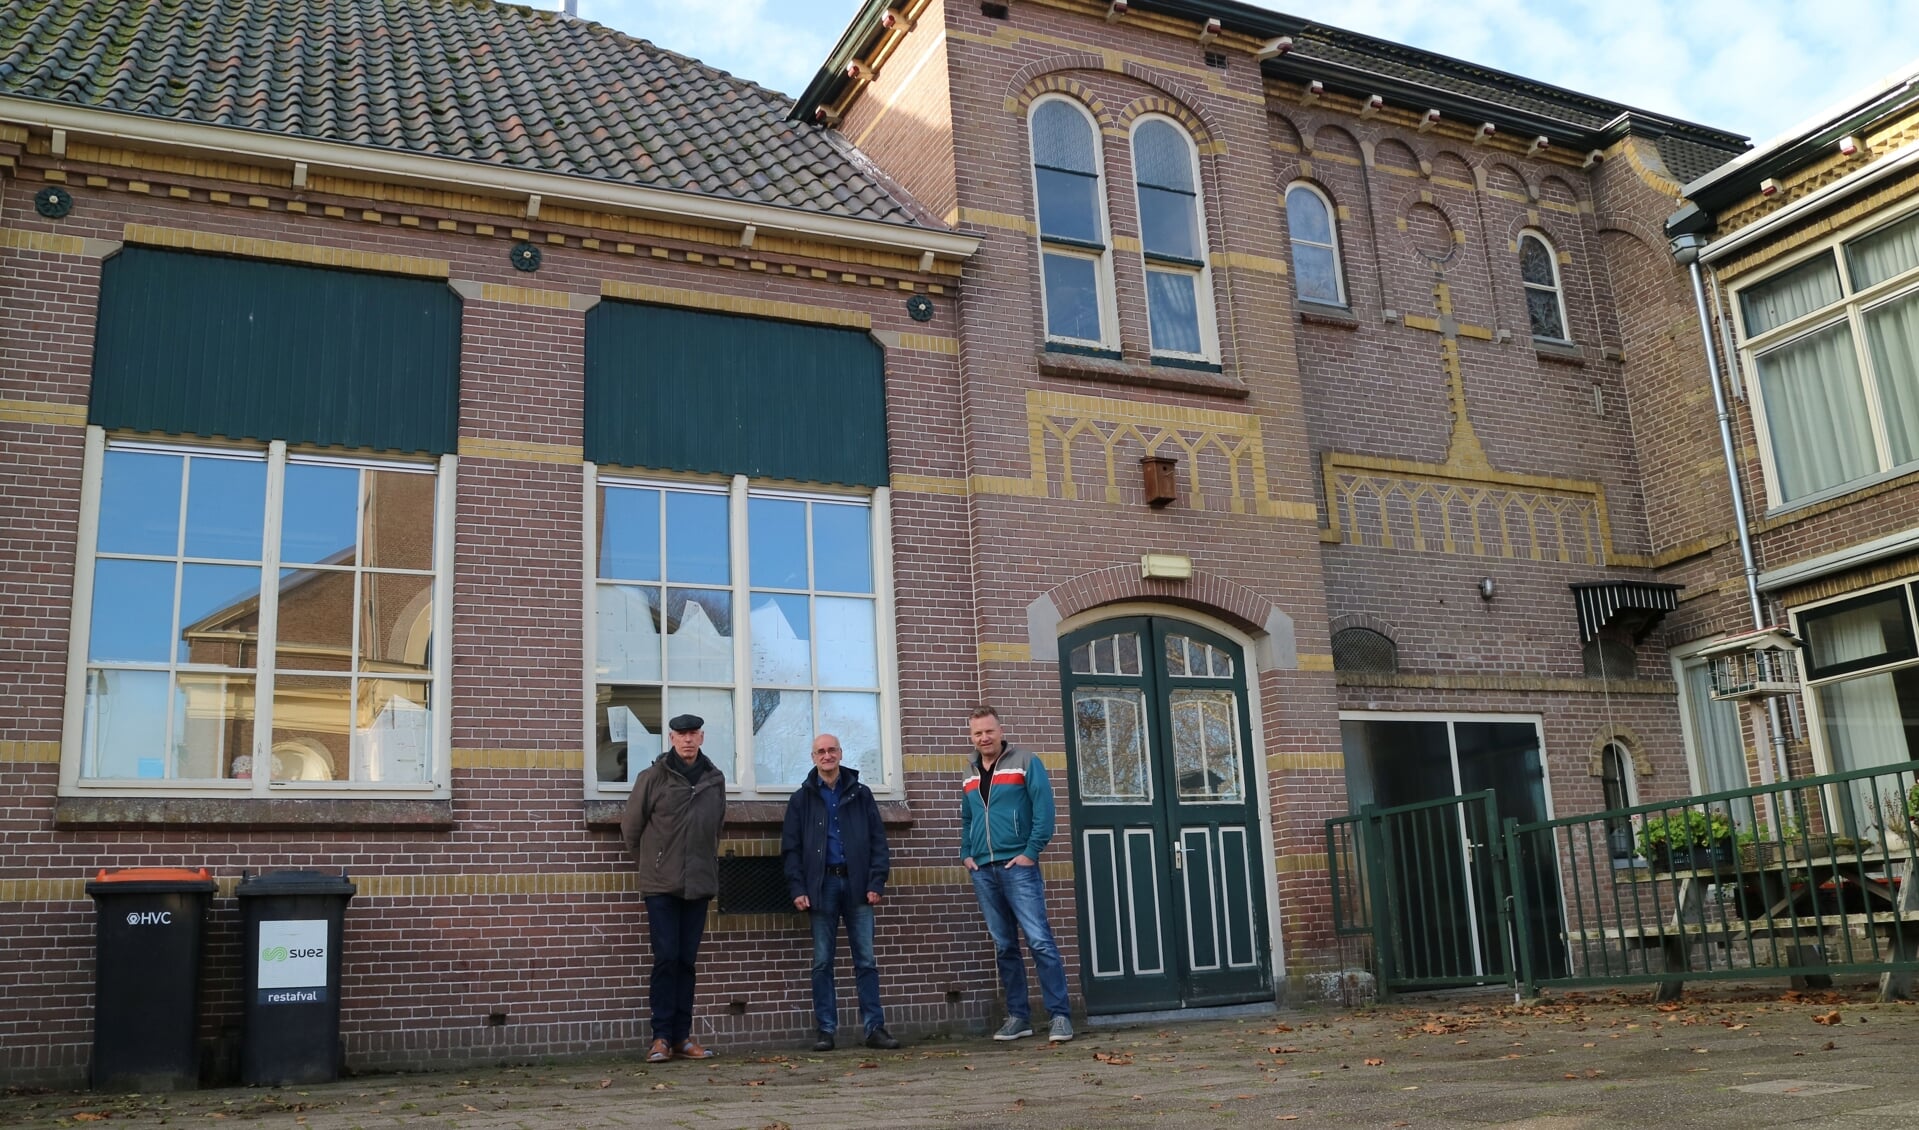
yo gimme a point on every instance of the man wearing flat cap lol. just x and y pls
(672, 827)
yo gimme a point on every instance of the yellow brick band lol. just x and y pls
(726, 303)
(1311, 662)
(526, 296)
(919, 343)
(30, 753)
(1299, 864)
(307, 253)
(1295, 762)
(42, 412)
(474, 447)
(563, 759)
(42, 242)
(1005, 652)
(1005, 221)
(953, 764)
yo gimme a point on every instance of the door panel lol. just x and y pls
(1173, 910)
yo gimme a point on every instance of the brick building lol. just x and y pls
(406, 406)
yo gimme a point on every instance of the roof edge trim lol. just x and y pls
(484, 179)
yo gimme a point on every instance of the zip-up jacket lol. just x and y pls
(1016, 818)
(862, 836)
(672, 827)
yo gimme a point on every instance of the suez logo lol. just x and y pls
(149, 918)
(282, 953)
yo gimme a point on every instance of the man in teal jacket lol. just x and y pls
(1006, 818)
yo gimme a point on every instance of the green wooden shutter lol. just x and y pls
(206, 345)
(687, 390)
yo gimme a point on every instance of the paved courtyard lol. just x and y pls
(1754, 1056)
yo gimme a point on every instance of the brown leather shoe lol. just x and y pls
(691, 1049)
(660, 1052)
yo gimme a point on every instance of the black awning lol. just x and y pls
(1634, 605)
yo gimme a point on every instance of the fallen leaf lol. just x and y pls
(1285, 1118)
(605, 1083)
(1829, 1046)
(1117, 1059)
(91, 1116)
(1827, 1018)
(1375, 1062)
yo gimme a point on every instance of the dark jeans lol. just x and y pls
(839, 904)
(676, 926)
(1015, 896)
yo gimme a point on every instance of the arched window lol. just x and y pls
(1316, 271)
(1172, 239)
(1074, 270)
(1615, 779)
(1539, 270)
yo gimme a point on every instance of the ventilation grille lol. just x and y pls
(1362, 649)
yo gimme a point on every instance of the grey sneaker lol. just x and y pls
(1014, 1028)
(1060, 1031)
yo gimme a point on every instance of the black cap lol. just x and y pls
(686, 723)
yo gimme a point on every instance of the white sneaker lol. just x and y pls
(1060, 1031)
(1014, 1029)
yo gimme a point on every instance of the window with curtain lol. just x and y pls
(1615, 781)
(1172, 240)
(1713, 727)
(1539, 271)
(1863, 676)
(1832, 344)
(1315, 236)
(1074, 266)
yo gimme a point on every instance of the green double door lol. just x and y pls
(1167, 842)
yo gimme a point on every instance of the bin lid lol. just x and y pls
(151, 880)
(295, 883)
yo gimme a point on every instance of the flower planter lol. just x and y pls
(1717, 857)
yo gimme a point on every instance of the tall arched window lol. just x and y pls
(1172, 239)
(1072, 223)
(1316, 272)
(1539, 270)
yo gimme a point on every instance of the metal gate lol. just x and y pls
(1429, 882)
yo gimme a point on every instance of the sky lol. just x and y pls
(1756, 67)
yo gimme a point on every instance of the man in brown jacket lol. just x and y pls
(672, 827)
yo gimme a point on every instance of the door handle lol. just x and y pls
(1179, 857)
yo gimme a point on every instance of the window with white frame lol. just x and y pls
(1310, 220)
(1172, 226)
(253, 620)
(1075, 267)
(1832, 346)
(1545, 301)
(1862, 677)
(763, 611)
(1713, 732)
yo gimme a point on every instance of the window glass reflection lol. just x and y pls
(312, 723)
(716, 707)
(699, 636)
(396, 621)
(627, 632)
(776, 533)
(842, 548)
(226, 507)
(212, 725)
(132, 611)
(392, 731)
(629, 731)
(782, 641)
(697, 538)
(855, 720)
(782, 736)
(318, 515)
(629, 534)
(847, 647)
(316, 620)
(1072, 297)
(125, 724)
(140, 503)
(219, 615)
(397, 524)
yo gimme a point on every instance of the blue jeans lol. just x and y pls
(838, 904)
(1015, 896)
(675, 926)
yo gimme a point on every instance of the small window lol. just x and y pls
(1362, 649)
(1539, 270)
(1853, 635)
(1615, 779)
(1178, 298)
(1072, 222)
(1316, 270)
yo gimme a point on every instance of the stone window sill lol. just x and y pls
(1103, 371)
(1560, 353)
(253, 813)
(1338, 317)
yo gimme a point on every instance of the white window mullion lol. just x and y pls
(73, 723)
(441, 656)
(1869, 382)
(741, 577)
(885, 637)
(590, 638)
(263, 681)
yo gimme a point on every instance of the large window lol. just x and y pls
(251, 620)
(1832, 344)
(1075, 267)
(762, 611)
(1862, 670)
(1545, 302)
(1315, 237)
(1172, 240)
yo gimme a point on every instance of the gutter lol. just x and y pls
(1896, 161)
(484, 179)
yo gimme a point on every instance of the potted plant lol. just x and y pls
(1687, 839)
(1895, 821)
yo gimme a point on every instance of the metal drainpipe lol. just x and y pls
(1685, 249)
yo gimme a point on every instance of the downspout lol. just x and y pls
(1685, 249)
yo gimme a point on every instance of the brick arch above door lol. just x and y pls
(1234, 603)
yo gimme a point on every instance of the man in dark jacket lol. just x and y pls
(672, 827)
(834, 848)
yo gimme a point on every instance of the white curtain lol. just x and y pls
(1715, 727)
(1883, 254)
(1863, 728)
(1794, 294)
(1892, 333)
(1816, 412)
